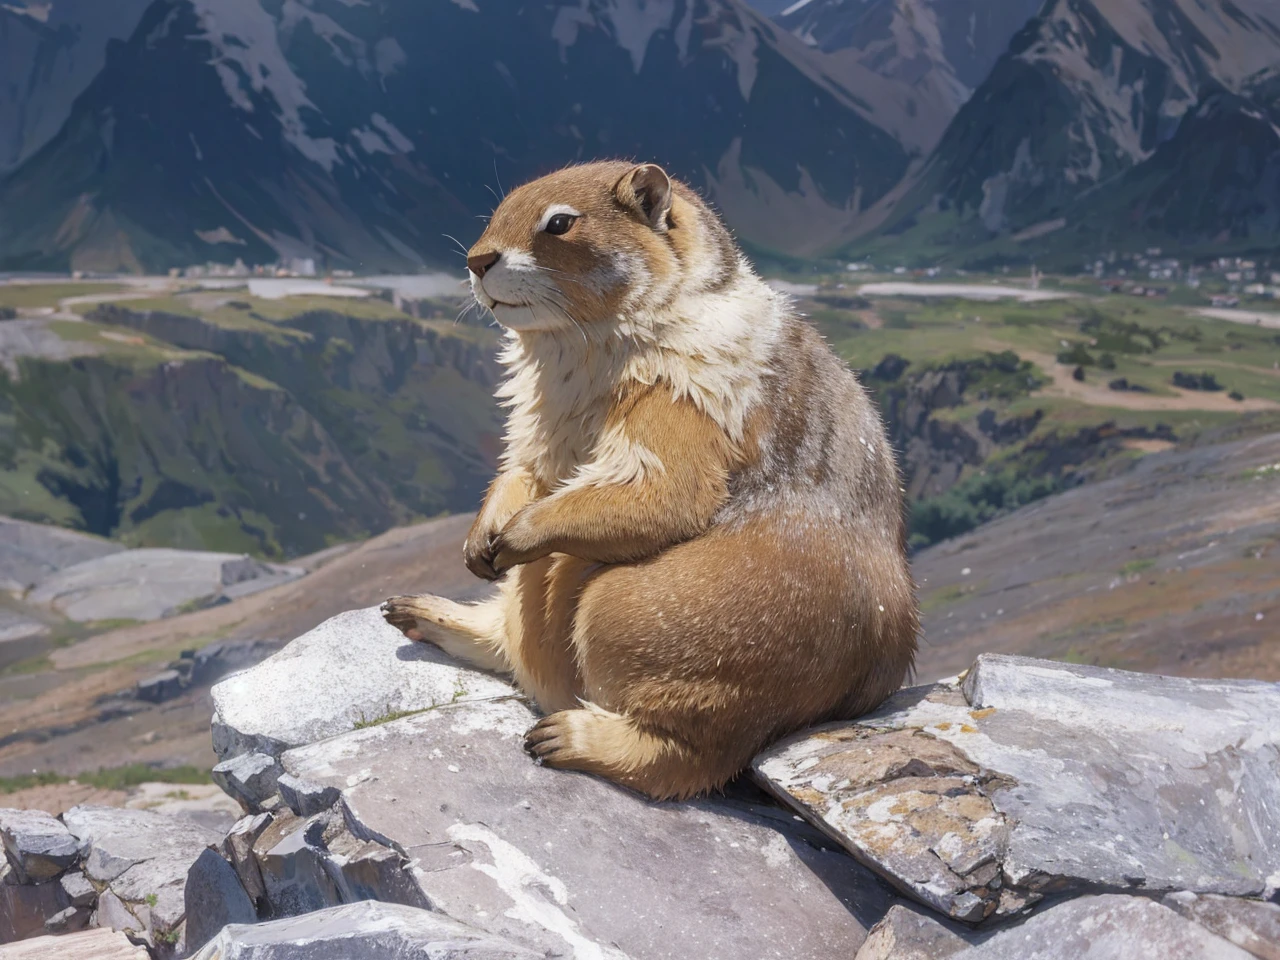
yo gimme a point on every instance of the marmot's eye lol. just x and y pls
(560, 224)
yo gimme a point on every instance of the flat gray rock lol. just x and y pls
(569, 864)
(1108, 927)
(1250, 924)
(149, 584)
(354, 669)
(368, 930)
(38, 845)
(30, 552)
(87, 945)
(1039, 776)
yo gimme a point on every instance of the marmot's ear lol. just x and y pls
(646, 189)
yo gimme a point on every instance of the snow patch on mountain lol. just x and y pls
(243, 34)
(739, 44)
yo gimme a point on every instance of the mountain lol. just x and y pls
(921, 59)
(363, 133)
(50, 51)
(1214, 185)
(1087, 91)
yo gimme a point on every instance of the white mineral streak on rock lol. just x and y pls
(520, 878)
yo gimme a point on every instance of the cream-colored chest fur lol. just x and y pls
(712, 348)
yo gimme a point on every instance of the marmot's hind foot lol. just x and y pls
(608, 744)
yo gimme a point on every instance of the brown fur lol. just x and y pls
(702, 589)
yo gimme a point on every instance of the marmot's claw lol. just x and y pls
(393, 612)
(480, 562)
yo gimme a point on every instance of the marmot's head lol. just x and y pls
(595, 243)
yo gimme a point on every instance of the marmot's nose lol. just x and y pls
(481, 262)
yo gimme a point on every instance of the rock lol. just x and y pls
(1038, 776)
(68, 920)
(114, 915)
(149, 584)
(906, 933)
(24, 908)
(249, 778)
(1108, 927)
(214, 898)
(562, 863)
(38, 845)
(144, 857)
(352, 670)
(88, 945)
(291, 855)
(78, 890)
(14, 626)
(163, 686)
(205, 803)
(368, 930)
(1250, 924)
(237, 848)
(305, 798)
(30, 552)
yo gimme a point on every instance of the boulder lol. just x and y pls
(368, 930)
(78, 890)
(237, 849)
(1107, 927)
(353, 670)
(214, 897)
(38, 845)
(205, 803)
(1034, 777)
(305, 798)
(100, 944)
(148, 584)
(249, 778)
(1250, 924)
(68, 920)
(165, 685)
(907, 933)
(143, 858)
(559, 862)
(30, 552)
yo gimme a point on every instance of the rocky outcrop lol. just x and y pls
(1029, 809)
(351, 671)
(101, 867)
(30, 552)
(159, 583)
(1032, 778)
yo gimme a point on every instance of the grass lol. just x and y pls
(112, 778)
(1136, 566)
(28, 296)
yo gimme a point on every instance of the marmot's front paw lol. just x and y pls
(478, 553)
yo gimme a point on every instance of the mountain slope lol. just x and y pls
(922, 58)
(362, 133)
(1088, 90)
(49, 53)
(1214, 185)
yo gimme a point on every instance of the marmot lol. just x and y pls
(698, 514)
